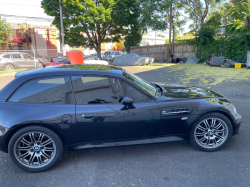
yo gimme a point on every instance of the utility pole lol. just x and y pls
(62, 30)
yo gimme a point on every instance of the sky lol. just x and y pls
(30, 8)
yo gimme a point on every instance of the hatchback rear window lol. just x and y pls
(46, 90)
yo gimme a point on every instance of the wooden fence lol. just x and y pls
(161, 52)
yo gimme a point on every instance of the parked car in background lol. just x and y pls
(111, 55)
(96, 57)
(14, 60)
(56, 61)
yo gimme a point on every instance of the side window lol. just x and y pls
(116, 53)
(96, 90)
(6, 56)
(16, 56)
(47, 90)
(26, 56)
(133, 93)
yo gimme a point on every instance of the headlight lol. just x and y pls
(234, 109)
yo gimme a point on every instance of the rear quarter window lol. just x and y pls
(46, 90)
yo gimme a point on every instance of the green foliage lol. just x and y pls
(5, 31)
(226, 32)
(133, 38)
(91, 22)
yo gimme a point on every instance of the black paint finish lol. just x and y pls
(162, 118)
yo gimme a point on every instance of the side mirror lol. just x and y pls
(127, 101)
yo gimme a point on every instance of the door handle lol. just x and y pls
(89, 116)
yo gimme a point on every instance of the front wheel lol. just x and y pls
(211, 132)
(35, 148)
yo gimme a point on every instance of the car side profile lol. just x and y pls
(14, 60)
(74, 107)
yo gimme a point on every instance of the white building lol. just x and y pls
(151, 38)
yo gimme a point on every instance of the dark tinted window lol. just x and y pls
(6, 56)
(97, 90)
(47, 90)
(116, 53)
(133, 93)
(16, 56)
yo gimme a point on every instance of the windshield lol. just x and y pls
(140, 82)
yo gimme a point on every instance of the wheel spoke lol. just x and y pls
(206, 123)
(214, 141)
(202, 139)
(220, 131)
(31, 160)
(200, 134)
(201, 128)
(218, 126)
(48, 149)
(46, 142)
(218, 136)
(39, 159)
(213, 122)
(45, 155)
(32, 137)
(40, 138)
(25, 155)
(23, 148)
(208, 141)
(23, 140)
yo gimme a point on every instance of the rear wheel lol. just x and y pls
(9, 67)
(35, 148)
(211, 132)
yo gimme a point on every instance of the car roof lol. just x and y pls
(63, 70)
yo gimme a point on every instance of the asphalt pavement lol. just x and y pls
(160, 165)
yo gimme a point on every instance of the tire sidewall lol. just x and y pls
(56, 139)
(211, 115)
(9, 65)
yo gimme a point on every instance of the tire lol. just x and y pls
(9, 67)
(41, 148)
(211, 136)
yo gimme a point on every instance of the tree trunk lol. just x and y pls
(170, 29)
(98, 51)
(27, 39)
(173, 41)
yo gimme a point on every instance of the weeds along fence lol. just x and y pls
(161, 52)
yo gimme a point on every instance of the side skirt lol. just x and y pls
(127, 143)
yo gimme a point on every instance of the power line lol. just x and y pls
(27, 17)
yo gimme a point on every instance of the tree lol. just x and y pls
(5, 31)
(133, 38)
(25, 31)
(92, 22)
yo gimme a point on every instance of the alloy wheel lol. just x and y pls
(34, 149)
(211, 133)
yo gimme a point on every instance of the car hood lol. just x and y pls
(176, 91)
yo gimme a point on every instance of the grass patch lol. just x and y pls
(9, 72)
(205, 76)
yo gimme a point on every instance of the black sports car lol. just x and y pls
(75, 107)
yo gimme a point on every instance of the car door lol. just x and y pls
(143, 116)
(18, 61)
(100, 115)
(29, 61)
